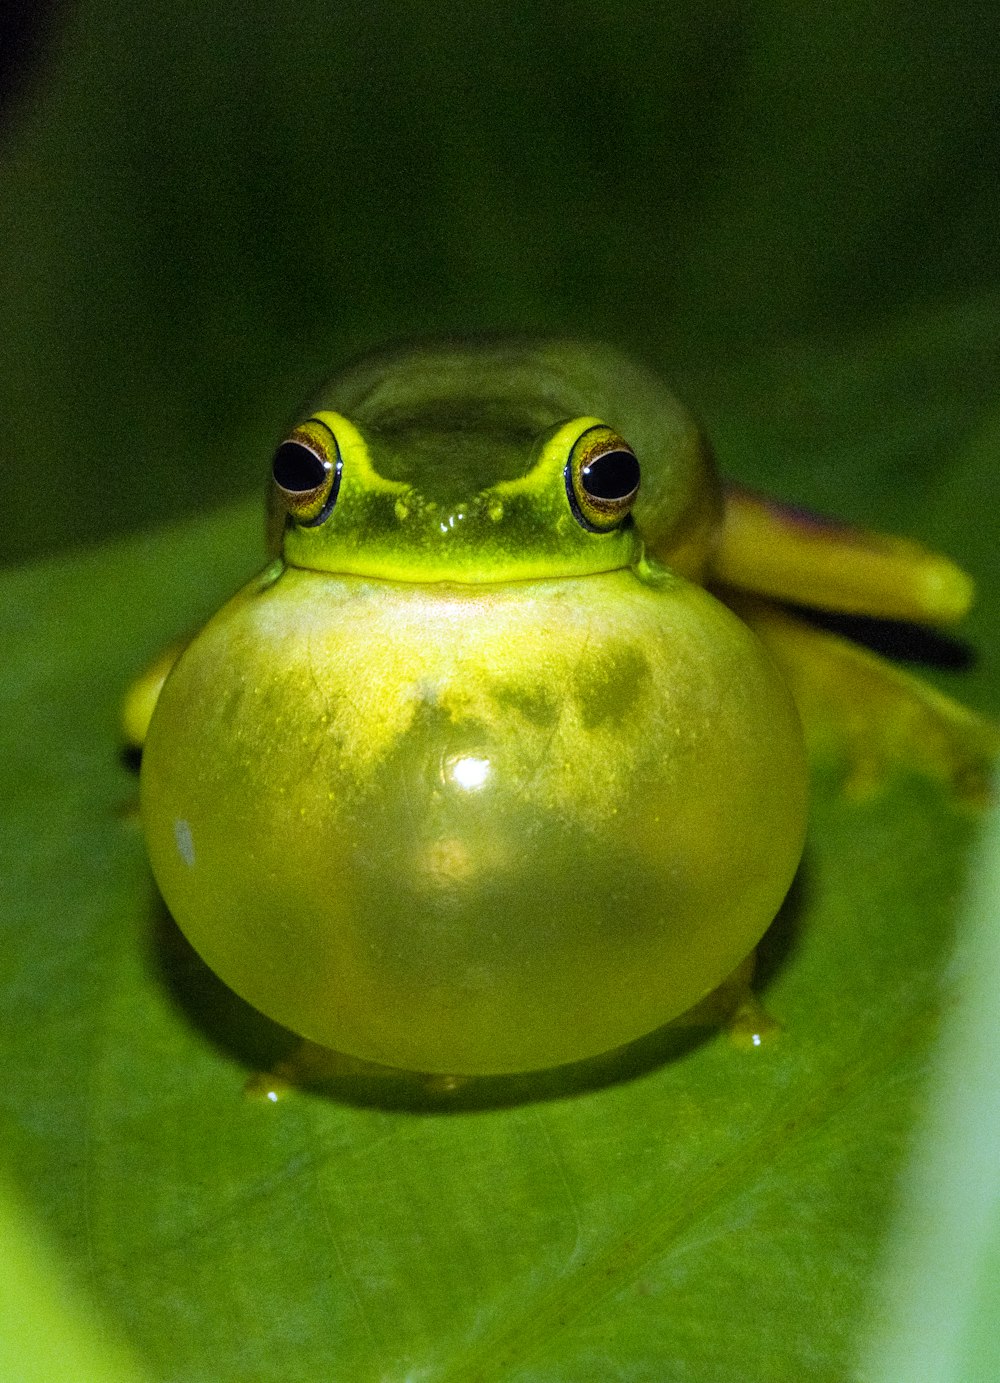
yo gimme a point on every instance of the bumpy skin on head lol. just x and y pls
(460, 784)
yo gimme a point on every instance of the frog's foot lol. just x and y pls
(312, 1067)
(307, 1066)
(270, 1086)
(750, 1026)
(734, 1006)
(853, 702)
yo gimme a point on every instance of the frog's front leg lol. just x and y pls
(791, 555)
(142, 695)
(734, 1005)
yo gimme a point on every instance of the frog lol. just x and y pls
(499, 763)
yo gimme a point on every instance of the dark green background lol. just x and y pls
(205, 207)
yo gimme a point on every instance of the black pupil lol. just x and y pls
(611, 476)
(297, 468)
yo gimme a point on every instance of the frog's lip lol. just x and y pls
(457, 576)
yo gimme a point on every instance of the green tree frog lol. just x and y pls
(478, 775)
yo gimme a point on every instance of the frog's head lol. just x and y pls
(493, 461)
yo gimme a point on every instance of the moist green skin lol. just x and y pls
(490, 795)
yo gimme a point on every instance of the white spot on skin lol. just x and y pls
(185, 842)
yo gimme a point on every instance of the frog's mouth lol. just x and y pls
(399, 571)
(473, 544)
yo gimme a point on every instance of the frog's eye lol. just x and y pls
(602, 479)
(306, 470)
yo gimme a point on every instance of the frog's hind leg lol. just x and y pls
(142, 695)
(878, 717)
(797, 557)
(852, 701)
